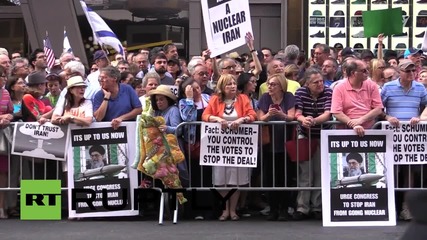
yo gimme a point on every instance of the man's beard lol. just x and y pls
(97, 164)
(354, 172)
(161, 70)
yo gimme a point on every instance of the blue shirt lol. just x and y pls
(125, 102)
(400, 104)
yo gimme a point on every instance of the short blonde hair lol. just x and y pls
(290, 70)
(282, 80)
(223, 80)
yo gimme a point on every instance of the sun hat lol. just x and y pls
(75, 82)
(164, 90)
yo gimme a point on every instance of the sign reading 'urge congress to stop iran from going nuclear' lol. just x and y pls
(226, 24)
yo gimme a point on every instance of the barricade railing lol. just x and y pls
(274, 172)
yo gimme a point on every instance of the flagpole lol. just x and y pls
(105, 52)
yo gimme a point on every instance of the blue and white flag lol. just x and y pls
(66, 46)
(102, 33)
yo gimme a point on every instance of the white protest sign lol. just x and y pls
(409, 143)
(43, 141)
(226, 24)
(227, 147)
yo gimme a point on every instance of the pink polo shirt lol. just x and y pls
(356, 103)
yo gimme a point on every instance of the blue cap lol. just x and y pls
(411, 51)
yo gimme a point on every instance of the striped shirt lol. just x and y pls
(403, 105)
(311, 107)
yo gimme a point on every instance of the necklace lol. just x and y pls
(229, 106)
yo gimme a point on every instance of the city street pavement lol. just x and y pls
(106, 229)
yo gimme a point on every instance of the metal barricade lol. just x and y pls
(407, 177)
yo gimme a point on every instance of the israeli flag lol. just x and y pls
(66, 47)
(102, 33)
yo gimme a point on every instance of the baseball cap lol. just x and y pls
(317, 13)
(347, 52)
(404, 13)
(339, 13)
(422, 12)
(405, 63)
(358, 13)
(98, 55)
(411, 51)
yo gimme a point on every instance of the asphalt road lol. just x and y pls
(204, 230)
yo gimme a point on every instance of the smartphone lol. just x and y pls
(276, 106)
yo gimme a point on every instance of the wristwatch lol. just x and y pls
(106, 99)
(72, 118)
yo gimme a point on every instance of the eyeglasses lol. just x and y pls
(272, 84)
(94, 69)
(409, 70)
(363, 70)
(201, 74)
(230, 67)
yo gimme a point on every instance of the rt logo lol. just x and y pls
(40, 200)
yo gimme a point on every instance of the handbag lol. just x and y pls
(195, 150)
(298, 149)
(265, 135)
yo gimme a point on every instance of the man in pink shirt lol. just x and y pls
(357, 102)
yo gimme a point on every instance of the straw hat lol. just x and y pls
(164, 90)
(75, 81)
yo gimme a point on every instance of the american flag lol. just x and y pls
(50, 56)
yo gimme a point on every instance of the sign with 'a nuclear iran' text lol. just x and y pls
(229, 147)
(226, 24)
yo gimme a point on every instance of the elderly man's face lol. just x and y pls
(5, 62)
(353, 164)
(96, 156)
(415, 58)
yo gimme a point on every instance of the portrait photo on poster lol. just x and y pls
(100, 161)
(361, 170)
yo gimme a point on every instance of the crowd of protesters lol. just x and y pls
(357, 88)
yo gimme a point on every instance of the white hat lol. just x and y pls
(75, 81)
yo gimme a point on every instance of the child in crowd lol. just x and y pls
(54, 88)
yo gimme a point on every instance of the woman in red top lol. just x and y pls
(230, 109)
(34, 107)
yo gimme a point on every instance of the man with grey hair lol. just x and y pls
(65, 58)
(291, 53)
(116, 102)
(321, 53)
(227, 66)
(3, 51)
(20, 67)
(5, 62)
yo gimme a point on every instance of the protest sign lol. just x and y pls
(42, 141)
(226, 24)
(98, 159)
(357, 178)
(409, 142)
(227, 147)
(386, 21)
